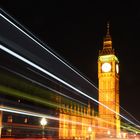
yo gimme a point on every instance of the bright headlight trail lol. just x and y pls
(46, 49)
(17, 111)
(42, 85)
(28, 113)
(58, 79)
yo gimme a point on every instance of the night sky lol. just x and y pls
(75, 30)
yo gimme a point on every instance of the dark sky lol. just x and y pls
(75, 30)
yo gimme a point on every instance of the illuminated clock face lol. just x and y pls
(106, 67)
(117, 68)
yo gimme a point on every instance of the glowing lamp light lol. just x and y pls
(43, 122)
(89, 129)
(108, 132)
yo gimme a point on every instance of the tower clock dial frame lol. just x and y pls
(106, 67)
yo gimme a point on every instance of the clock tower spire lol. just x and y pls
(107, 39)
(108, 80)
(107, 43)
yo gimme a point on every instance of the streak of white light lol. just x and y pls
(130, 115)
(42, 85)
(17, 111)
(60, 80)
(29, 113)
(46, 49)
(53, 89)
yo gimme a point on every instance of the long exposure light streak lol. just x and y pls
(58, 79)
(130, 115)
(29, 113)
(53, 89)
(17, 111)
(42, 85)
(24, 95)
(12, 110)
(47, 50)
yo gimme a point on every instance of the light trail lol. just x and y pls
(47, 50)
(126, 112)
(11, 91)
(28, 113)
(58, 79)
(53, 89)
(39, 115)
(42, 85)
(130, 115)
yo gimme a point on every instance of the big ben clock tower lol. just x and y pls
(108, 79)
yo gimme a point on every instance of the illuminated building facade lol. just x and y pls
(108, 76)
(76, 122)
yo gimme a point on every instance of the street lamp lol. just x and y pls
(89, 131)
(108, 132)
(43, 122)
